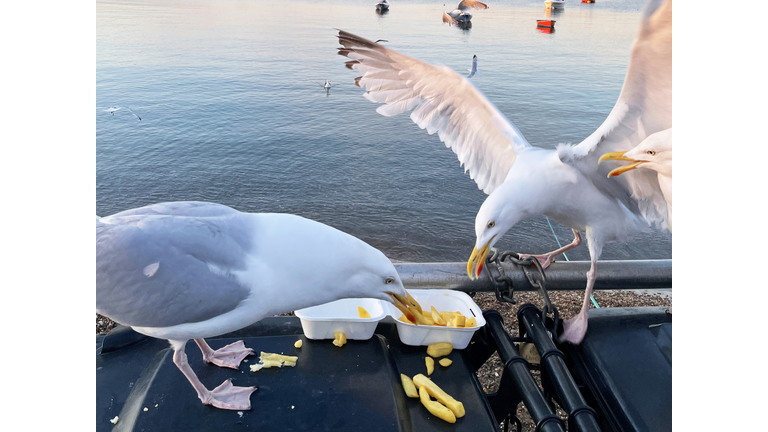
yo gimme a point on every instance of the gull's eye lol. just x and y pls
(651, 152)
(389, 281)
(491, 224)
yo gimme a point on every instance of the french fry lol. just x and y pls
(428, 319)
(298, 343)
(436, 408)
(416, 304)
(268, 360)
(362, 312)
(286, 360)
(404, 318)
(410, 389)
(430, 364)
(445, 362)
(421, 381)
(440, 349)
(470, 322)
(437, 318)
(458, 321)
(447, 316)
(340, 340)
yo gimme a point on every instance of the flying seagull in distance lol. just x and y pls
(473, 70)
(113, 109)
(460, 14)
(566, 184)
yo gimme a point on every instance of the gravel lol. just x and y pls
(568, 304)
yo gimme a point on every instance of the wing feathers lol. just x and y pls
(442, 102)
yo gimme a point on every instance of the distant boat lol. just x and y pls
(382, 6)
(545, 24)
(554, 4)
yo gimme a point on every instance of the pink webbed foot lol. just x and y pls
(545, 260)
(228, 396)
(229, 356)
(574, 329)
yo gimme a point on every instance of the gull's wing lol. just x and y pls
(171, 264)
(137, 116)
(643, 108)
(449, 19)
(442, 101)
(471, 4)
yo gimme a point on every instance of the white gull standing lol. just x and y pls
(566, 184)
(192, 270)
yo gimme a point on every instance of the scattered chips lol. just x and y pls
(268, 360)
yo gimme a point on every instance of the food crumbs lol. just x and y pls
(240, 413)
(146, 409)
(292, 406)
(114, 420)
(298, 343)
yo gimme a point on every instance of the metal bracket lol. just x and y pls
(505, 291)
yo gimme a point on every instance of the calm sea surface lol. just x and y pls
(233, 111)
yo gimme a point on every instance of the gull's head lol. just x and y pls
(654, 153)
(374, 276)
(496, 216)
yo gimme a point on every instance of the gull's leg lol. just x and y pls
(225, 396)
(548, 258)
(229, 356)
(575, 328)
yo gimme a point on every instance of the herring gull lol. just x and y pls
(460, 14)
(565, 184)
(192, 270)
(114, 108)
(653, 153)
(473, 70)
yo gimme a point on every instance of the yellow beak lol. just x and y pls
(477, 260)
(620, 157)
(407, 306)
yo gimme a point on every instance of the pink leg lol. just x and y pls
(225, 396)
(548, 258)
(575, 328)
(229, 356)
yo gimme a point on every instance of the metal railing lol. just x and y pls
(561, 276)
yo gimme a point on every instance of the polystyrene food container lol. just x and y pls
(321, 322)
(442, 300)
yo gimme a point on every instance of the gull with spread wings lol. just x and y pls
(565, 184)
(460, 14)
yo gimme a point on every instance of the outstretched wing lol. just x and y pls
(484, 140)
(644, 107)
(471, 4)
